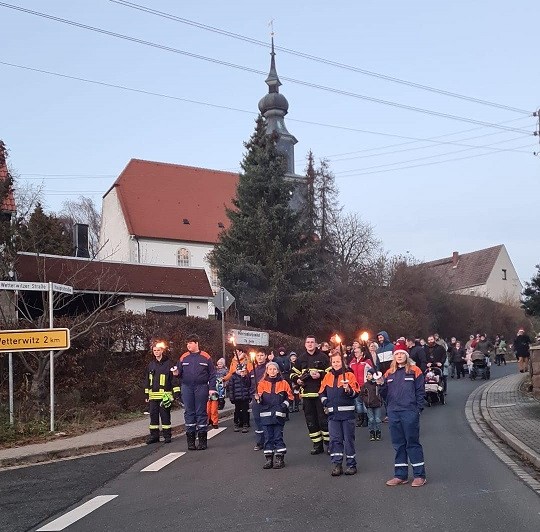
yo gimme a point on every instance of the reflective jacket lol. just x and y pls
(160, 381)
(339, 403)
(259, 372)
(274, 397)
(197, 368)
(305, 363)
(403, 390)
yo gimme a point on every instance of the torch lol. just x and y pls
(253, 357)
(232, 341)
(364, 338)
(337, 340)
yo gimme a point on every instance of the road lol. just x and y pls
(225, 488)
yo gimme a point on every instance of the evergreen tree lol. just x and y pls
(326, 199)
(258, 258)
(531, 295)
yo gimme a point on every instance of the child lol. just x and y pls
(295, 406)
(273, 395)
(221, 371)
(213, 404)
(239, 384)
(256, 376)
(337, 392)
(373, 403)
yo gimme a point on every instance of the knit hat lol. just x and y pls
(273, 364)
(400, 348)
(281, 349)
(221, 361)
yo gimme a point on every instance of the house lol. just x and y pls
(138, 288)
(487, 272)
(172, 215)
(7, 200)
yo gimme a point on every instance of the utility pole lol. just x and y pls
(537, 132)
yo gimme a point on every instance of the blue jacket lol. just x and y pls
(259, 371)
(239, 388)
(385, 352)
(340, 405)
(403, 391)
(274, 395)
(196, 369)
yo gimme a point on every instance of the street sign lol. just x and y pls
(34, 340)
(16, 285)
(249, 337)
(65, 289)
(228, 299)
(247, 318)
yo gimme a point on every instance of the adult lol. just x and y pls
(521, 348)
(416, 352)
(372, 353)
(435, 353)
(485, 347)
(449, 349)
(384, 352)
(402, 387)
(458, 358)
(160, 390)
(360, 365)
(308, 372)
(500, 352)
(197, 376)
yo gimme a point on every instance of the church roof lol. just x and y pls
(175, 202)
(467, 270)
(8, 204)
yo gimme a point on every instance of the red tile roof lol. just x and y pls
(8, 204)
(156, 198)
(114, 277)
(472, 269)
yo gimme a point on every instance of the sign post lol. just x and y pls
(10, 370)
(223, 301)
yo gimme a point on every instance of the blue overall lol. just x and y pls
(195, 398)
(405, 433)
(255, 406)
(342, 441)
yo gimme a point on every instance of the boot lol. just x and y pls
(364, 420)
(236, 427)
(318, 448)
(191, 441)
(371, 435)
(203, 436)
(337, 470)
(359, 420)
(154, 437)
(269, 461)
(351, 470)
(167, 435)
(378, 435)
(279, 462)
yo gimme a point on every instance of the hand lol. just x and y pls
(257, 397)
(299, 382)
(325, 409)
(346, 386)
(146, 400)
(174, 371)
(439, 364)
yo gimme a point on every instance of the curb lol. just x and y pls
(40, 458)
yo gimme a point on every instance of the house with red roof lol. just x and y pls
(487, 272)
(7, 205)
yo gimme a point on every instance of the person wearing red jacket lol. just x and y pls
(338, 392)
(273, 395)
(359, 365)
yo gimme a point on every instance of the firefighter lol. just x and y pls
(198, 379)
(161, 388)
(338, 391)
(308, 372)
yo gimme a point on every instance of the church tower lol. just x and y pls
(273, 107)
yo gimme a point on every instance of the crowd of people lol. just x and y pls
(339, 387)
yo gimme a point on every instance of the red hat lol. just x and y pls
(400, 348)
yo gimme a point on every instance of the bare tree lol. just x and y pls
(84, 210)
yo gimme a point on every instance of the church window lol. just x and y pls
(504, 274)
(182, 257)
(214, 278)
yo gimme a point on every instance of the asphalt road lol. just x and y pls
(225, 488)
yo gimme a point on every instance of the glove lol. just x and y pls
(166, 402)
(283, 396)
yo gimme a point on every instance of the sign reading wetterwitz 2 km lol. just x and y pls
(34, 340)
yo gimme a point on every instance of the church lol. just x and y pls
(177, 221)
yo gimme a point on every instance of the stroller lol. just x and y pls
(480, 366)
(433, 386)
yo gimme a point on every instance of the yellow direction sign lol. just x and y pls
(34, 340)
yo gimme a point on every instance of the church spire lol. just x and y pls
(273, 80)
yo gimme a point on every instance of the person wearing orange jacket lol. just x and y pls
(273, 395)
(338, 391)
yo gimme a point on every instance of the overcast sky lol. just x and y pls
(425, 198)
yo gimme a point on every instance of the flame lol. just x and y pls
(252, 356)
(337, 338)
(232, 340)
(161, 345)
(364, 336)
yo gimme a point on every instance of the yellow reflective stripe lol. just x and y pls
(166, 426)
(151, 379)
(155, 395)
(310, 394)
(314, 434)
(176, 389)
(316, 440)
(147, 391)
(162, 380)
(152, 427)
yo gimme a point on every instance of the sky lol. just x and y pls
(190, 97)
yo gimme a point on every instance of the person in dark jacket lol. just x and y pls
(338, 391)
(435, 353)
(160, 390)
(484, 346)
(257, 375)
(521, 348)
(417, 352)
(402, 387)
(274, 395)
(384, 352)
(458, 358)
(239, 395)
(308, 372)
(283, 361)
(197, 375)
(373, 403)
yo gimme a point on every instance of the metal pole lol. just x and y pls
(222, 302)
(51, 358)
(11, 418)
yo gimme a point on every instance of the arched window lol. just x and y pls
(182, 257)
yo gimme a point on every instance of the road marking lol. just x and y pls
(215, 432)
(77, 513)
(162, 462)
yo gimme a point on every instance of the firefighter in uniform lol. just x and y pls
(308, 372)
(161, 388)
(198, 379)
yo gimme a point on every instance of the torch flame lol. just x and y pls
(232, 340)
(337, 339)
(252, 356)
(364, 336)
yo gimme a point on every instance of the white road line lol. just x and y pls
(76, 514)
(162, 462)
(215, 432)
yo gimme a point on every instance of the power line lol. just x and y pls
(255, 71)
(228, 108)
(315, 58)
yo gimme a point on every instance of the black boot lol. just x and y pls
(371, 435)
(191, 441)
(269, 461)
(337, 470)
(377, 435)
(154, 436)
(318, 448)
(351, 470)
(167, 433)
(364, 420)
(203, 437)
(279, 462)
(358, 420)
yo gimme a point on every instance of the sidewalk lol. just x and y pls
(126, 435)
(513, 416)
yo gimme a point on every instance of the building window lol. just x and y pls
(504, 274)
(214, 279)
(182, 258)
